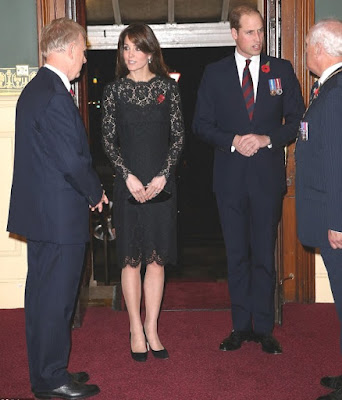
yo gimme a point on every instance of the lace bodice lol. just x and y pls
(142, 127)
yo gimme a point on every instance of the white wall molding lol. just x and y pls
(13, 264)
(323, 290)
(105, 37)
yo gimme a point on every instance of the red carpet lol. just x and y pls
(197, 370)
(180, 295)
(201, 295)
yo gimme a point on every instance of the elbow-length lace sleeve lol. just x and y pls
(176, 133)
(109, 132)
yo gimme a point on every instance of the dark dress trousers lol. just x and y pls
(319, 180)
(53, 185)
(249, 190)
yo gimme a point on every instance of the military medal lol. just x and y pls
(304, 131)
(279, 89)
(272, 85)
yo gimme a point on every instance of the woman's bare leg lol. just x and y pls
(131, 289)
(153, 291)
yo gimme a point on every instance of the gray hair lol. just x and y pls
(328, 32)
(58, 34)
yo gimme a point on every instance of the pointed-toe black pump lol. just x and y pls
(140, 357)
(162, 354)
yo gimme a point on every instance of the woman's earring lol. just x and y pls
(149, 60)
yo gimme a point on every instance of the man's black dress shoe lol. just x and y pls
(332, 382)
(268, 343)
(337, 395)
(235, 340)
(70, 391)
(80, 377)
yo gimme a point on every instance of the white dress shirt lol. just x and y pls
(254, 67)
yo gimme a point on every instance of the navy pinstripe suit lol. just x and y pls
(319, 180)
(53, 185)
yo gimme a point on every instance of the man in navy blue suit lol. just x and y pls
(54, 185)
(319, 164)
(249, 106)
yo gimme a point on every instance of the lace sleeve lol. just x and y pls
(109, 133)
(176, 133)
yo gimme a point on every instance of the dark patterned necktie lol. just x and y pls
(247, 89)
(313, 93)
(73, 96)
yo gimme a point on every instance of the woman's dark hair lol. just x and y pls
(144, 38)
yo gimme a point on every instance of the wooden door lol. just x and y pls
(297, 16)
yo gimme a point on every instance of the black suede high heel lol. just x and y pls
(140, 357)
(161, 354)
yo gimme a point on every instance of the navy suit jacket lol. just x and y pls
(221, 114)
(53, 178)
(319, 167)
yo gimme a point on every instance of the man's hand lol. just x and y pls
(335, 239)
(99, 205)
(248, 145)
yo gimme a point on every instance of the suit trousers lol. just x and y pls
(249, 220)
(52, 284)
(333, 262)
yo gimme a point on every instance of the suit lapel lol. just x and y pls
(263, 87)
(234, 75)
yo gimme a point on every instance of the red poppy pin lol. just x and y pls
(266, 68)
(160, 98)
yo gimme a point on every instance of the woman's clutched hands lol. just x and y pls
(155, 186)
(136, 188)
(141, 193)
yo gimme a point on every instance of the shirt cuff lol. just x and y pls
(232, 148)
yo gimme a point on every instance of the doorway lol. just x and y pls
(201, 252)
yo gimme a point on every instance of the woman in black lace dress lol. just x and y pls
(143, 136)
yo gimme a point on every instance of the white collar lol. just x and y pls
(241, 60)
(64, 78)
(328, 72)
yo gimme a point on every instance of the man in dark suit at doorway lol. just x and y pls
(248, 107)
(319, 164)
(53, 187)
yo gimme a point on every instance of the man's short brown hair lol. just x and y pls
(237, 12)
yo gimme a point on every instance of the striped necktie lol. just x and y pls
(314, 91)
(247, 89)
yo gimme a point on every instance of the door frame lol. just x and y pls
(296, 264)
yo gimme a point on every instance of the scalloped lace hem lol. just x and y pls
(135, 262)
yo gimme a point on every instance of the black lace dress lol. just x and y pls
(143, 134)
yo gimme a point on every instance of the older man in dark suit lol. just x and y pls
(319, 163)
(249, 106)
(54, 185)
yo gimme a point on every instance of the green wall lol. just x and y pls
(18, 33)
(328, 9)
